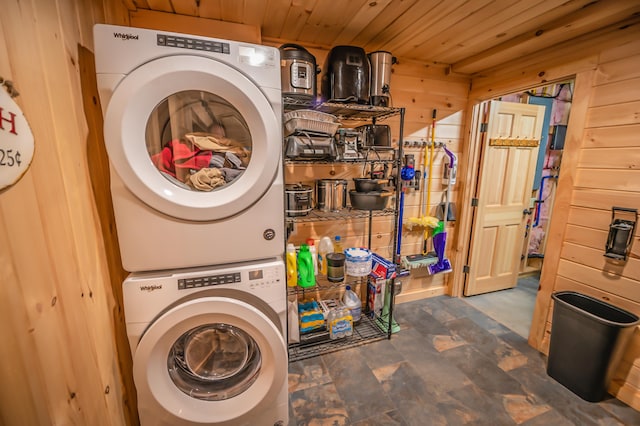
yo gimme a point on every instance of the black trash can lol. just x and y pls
(588, 337)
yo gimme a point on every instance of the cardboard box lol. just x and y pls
(375, 296)
(381, 267)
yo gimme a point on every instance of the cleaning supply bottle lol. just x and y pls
(324, 246)
(292, 267)
(306, 277)
(314, 255)
(352, 301)
(337, 244)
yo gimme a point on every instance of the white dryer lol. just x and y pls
(209, 345)
(193, 130)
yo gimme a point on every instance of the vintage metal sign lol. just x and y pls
(16, 142)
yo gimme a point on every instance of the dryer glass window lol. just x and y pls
(214, 362)
(198, 140)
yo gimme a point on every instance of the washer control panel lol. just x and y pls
(192, 43)
(210, 280)
(252, 277)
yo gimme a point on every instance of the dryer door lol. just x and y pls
(192, 137)
(209, 360)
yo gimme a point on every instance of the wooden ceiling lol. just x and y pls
(465, 36)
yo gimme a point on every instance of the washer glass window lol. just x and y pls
(198, 140)
(214, 362)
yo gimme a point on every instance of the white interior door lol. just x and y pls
(505, 181)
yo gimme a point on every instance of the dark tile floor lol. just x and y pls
(449, 365)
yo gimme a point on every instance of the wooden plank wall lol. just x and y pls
(607, 174)
(599, 170)
(58, 314)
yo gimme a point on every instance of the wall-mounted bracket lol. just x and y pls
(621, 231)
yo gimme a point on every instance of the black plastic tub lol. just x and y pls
(588, 338)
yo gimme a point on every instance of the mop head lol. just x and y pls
(421, 222)
(414, 261)
(440, 267)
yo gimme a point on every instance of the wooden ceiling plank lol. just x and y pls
(438, 20)
(160, 5)
(297, 17)
(185, 7)
(129, 4)
(232, 11)
(275, 15)
(361, 20)
(254, 12)
(560, 30)
(210, 9)
(478, 28)
(328, 18)
(383, 20)
(140, 4)
(414, 17)
(500, 28)
(562, 60)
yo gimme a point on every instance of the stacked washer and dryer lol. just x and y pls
(193, 132)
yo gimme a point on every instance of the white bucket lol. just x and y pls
(358, 262)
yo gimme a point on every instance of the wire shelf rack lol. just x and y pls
(347, 213)
(366, 331)
(351, 112)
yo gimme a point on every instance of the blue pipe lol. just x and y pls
(400, 213)
(535, 223)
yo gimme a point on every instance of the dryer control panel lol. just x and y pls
(192, 43)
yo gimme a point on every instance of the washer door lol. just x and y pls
(210, 360)
(192, 137)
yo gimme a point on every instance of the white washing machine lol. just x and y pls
(209, 345)
(193, 130)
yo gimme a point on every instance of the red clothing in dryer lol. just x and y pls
(178, 157)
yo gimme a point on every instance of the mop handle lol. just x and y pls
(433, 142)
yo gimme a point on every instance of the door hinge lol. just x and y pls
(474, 202)
(483, 127)
(466, 269)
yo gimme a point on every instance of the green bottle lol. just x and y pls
(306, 275)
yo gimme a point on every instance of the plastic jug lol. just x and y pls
(306, 276)
(314, 255)
(292, 267)
(352, 301)
(324, 246)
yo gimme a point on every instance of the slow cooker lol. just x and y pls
(298, 71)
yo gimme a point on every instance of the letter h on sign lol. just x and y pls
(11, 120)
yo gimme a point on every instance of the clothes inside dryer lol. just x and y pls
(198, 140)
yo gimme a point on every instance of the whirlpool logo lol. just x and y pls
(150, 287)
(123, 36)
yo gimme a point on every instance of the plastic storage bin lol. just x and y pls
(588, 337)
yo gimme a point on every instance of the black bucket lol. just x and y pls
(588, 338)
